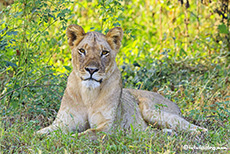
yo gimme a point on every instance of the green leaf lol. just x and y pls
(68, 68)
(116, 24)
(12, 33)
(182, 51)
(223, 29)
(18, 14)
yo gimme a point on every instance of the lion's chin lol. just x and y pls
(92, 84)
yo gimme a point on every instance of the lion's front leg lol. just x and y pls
(47, 130)
(92, 132)
(67, 121)
(71, 117)
(101, 120)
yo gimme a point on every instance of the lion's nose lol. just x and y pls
(91, 70)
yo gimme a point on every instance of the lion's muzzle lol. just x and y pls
(92, 75)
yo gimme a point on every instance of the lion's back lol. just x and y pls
(154, 100)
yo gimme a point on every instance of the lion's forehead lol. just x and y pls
(94, 40)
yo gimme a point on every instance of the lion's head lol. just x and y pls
(93, 53)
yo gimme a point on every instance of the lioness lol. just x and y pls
(94, 99)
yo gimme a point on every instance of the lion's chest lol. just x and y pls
(89, 94)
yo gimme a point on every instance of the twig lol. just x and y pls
(42, 31)
(24, 86)
(60, 97)
(39, 86)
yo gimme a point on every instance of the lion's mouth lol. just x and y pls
(92, 79)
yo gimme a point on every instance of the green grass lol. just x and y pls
(19, 138)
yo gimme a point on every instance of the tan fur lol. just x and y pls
(100, 104)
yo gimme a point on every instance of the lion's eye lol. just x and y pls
(104, 52)
(81, 51)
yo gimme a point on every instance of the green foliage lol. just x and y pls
(223, 29)
(181, 53)
(27, 49)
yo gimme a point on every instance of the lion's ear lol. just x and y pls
(75, 34)
(114, 37)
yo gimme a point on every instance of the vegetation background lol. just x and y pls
(180, 49)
